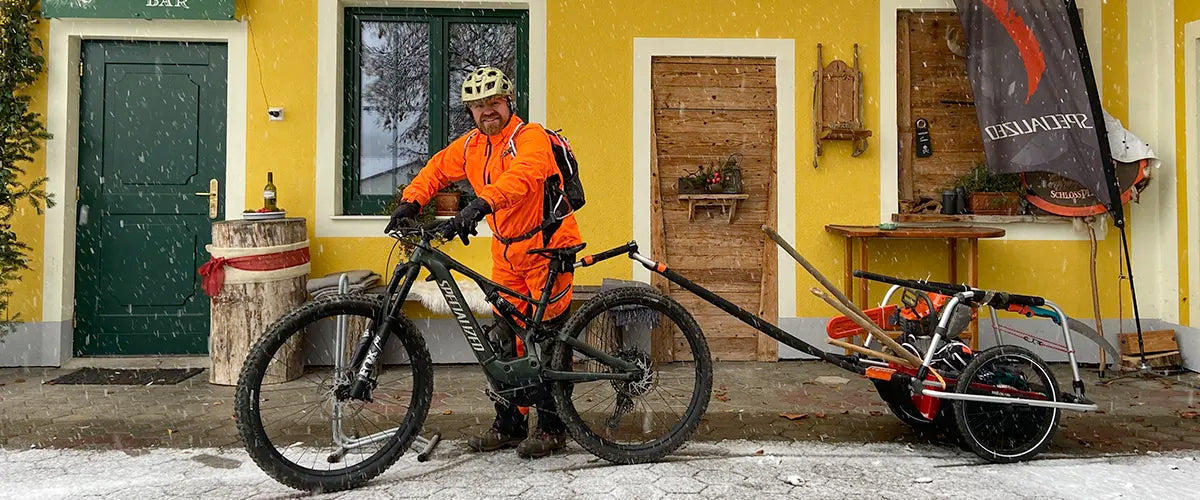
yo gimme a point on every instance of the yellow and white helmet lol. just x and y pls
(486, 82)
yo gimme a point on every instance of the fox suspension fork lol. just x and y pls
(367, 353)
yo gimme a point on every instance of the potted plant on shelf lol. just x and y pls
(991, 193)
(731, 175)
(694, 182)
(446, 200)
(428, 212)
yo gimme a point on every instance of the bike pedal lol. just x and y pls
(424, 447)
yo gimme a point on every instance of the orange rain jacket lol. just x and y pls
(512, 182)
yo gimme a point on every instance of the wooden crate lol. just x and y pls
(1154, 341)
(1162, 351)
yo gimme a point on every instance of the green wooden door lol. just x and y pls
(152, 135)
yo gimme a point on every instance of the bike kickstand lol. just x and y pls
(424, 447)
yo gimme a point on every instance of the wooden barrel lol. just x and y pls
(251, 300)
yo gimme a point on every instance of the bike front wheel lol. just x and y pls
(292, 408)
(644, 419)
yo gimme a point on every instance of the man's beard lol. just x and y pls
(491, 127)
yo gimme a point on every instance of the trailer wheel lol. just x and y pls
(1007, 432)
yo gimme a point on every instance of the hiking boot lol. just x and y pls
(493, 439)
(541, 444)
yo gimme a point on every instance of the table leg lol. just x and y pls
(973, 280)
(862, 266)
(848, 277)
(862, 283)
(954, 260)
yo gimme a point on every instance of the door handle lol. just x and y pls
(212, 194)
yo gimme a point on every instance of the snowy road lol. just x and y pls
(721, 470)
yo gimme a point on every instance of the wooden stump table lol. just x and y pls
(265, 266)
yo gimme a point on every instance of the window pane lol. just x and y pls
(394, 129)
(473, 45)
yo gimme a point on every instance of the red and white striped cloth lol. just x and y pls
(253, 265)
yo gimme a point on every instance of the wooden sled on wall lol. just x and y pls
(838, 105)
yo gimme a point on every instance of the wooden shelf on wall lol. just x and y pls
(727, 202)
(981, 219)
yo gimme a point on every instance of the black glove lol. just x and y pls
(463, 224)
(407, 211)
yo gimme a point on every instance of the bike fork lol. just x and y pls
(423, 446)
(366, 354)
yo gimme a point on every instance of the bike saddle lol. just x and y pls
(558, 253)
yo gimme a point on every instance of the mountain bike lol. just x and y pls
(339, 388)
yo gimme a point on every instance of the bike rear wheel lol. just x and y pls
(651, 416)
(305, 432)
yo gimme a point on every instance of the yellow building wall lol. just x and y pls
(592, 82)
(26, 300)
(590, 95)
(1185, 12)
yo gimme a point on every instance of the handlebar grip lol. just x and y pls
(608, 254)
(881, 278)
(928, 286)
(1022, 300)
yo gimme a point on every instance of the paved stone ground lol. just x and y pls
(1136, 415)
(728, 470)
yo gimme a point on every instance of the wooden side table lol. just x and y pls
(863, 234)
(727, 202)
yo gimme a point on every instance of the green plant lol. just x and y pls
(698, 178)
(718, 176)
(981, 180)
(21, 133)
(453, 187)
(427, 216)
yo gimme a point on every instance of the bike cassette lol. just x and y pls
(645, 376)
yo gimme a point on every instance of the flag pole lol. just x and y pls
(1106, 163)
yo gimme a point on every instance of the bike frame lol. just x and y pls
(522, 371)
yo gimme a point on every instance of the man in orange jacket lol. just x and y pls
(507, 162)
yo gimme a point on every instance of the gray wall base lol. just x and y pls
(50, 343)
(37, 344)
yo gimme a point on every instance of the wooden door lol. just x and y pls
(934, 87)
(152, 135)
(705, 109)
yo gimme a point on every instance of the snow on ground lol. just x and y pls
(729, 469)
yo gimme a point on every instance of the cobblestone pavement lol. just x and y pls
(1135, 416)
(727, 469)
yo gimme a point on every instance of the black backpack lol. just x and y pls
(558, 201)
(568, 168)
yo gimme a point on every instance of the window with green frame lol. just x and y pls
(403, 75)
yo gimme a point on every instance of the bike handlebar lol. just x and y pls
(927, 286)
(608, 254)
(999, 300)
(425, 231)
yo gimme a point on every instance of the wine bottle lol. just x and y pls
(269, 201)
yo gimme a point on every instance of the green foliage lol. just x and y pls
(723, 175)
(982, 180)
(428, 215)
(21, 134)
